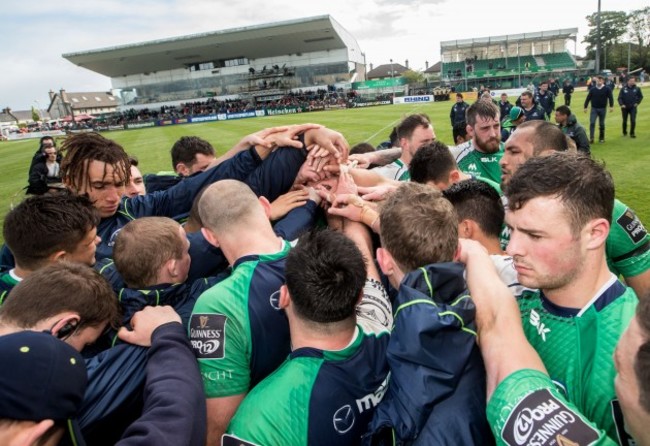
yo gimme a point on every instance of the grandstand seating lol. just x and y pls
(507, 66)
(559, 61)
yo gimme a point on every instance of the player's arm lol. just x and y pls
(378, 157)
(501, 338)
(220, 412)
(639, 283)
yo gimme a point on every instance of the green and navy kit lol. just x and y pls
(238, 331)
(480, 165)
(527, 409)
(628, 243)
(576, 347)
(396, 170)
(8, 281)
(317, 397)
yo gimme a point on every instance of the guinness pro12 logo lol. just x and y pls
(207, 335)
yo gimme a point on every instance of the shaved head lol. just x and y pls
(227, 204)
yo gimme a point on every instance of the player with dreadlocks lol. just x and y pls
(99, 168)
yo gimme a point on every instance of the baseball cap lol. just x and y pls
(515, 113)
(41, 378)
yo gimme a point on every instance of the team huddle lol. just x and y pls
(298, 291)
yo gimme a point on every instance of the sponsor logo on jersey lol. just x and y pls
(372, 399)
(541, 419)
(208, 335)
(274, 300)
(632, 226)
(343, 419)
(472, 166)
(488, 159)
(535, 321)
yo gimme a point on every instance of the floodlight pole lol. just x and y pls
(629, 50)
(598, 39)
(392, 79)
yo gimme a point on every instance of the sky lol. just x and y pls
(37, 32)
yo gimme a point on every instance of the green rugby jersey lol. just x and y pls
(317, 397)
(628, 243)
(527, 409)
(480, 165)
(576, 347)
(7, 282)
(238, 332)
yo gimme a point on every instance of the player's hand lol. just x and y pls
(622, 105)
(330, 140)
(282, 205)
(319, 157)
(289, 136)
(364, 160)
(350, 206)
(346, 184)
(257, 138)
(611, 109)
(376, 193)
(585, 110)
(308, 174)
(469, 248)
(145, 322)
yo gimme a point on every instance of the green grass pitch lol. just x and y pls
(627, 159)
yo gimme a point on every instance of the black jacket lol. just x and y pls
(630, 96)
(599, 97)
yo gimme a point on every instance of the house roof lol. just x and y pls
(94, 99)
(435, 68)
(22, 115)
(252, 42)
(383, 71)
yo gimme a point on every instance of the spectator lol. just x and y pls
(530, 108)
(458, 110)
(598, 96)
(567, 90)
(545, 99)
(44, 176)
(504, 106)
(629, 99)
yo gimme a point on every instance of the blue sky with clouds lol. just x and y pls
(37, 32)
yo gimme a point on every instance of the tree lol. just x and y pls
(413, 77)
(35, 116)
(639, 33)
(613, 26)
